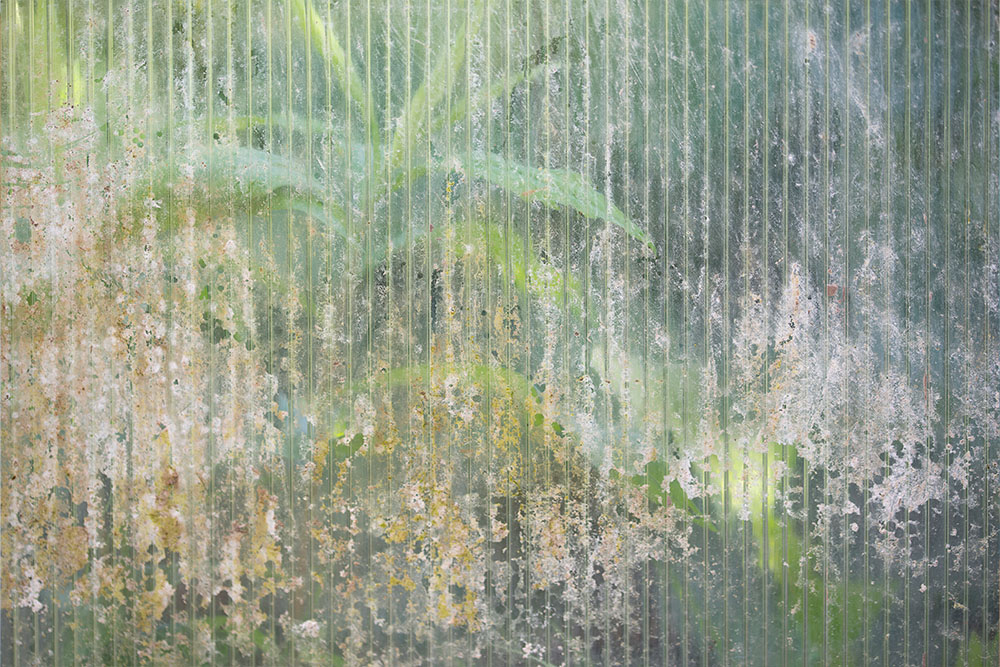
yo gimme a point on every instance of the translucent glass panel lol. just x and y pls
(525, 332)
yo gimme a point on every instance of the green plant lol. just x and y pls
(349, 332)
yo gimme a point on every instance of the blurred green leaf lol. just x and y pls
(554, 188)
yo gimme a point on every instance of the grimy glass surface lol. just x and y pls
(504, 332)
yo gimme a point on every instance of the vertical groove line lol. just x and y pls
(292, 345)
(310, 434)
(605, 295)
(869, 307)
(785, 481)
(508, 311)
(746, 307)
(526, 465)
(189, 75)
(210, 455)
(9, 101)
(6, 45)
(826, 318)
(946, 326)
(626, 346)
(645, 296)
(927, 325)
(765, 141)
(645, 293)
(370, 143)
(708, 365)
(566, 407)
(686, 303)
(726, 342)
(407, 102)
(447, 247)
(967, 149)
(392, 323)
(168, 263)
(249, 222)
(428, 273)
(666, 312)
(230, 192)
(269, 87)
(49, 154)
(888, 214)
(349, 246)
(488, 309)
(803, 564)
(547, 128)
(469, 351)
(846, 210)
(48, 111)
(908, 176)
(108, 59)
(987, 167)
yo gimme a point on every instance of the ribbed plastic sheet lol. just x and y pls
(520, 332)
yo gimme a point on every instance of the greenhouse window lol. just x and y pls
(503, 332)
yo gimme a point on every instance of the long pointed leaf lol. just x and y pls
(554, 188)
(427, 97)
(329, 46)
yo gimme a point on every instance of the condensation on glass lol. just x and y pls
(525, 332)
